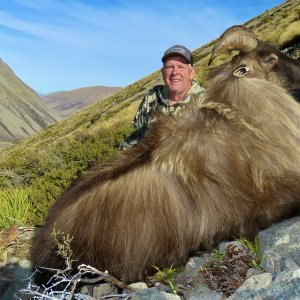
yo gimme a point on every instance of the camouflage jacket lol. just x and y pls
(155, 101)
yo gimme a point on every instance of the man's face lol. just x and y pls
(178, 75)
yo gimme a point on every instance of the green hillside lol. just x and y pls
(40, 168)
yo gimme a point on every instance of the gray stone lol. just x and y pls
(252, 272)
(290, 265)
(257, 282)
(169, 296)
(280, 246)
(286, 286)
(138, 286)
(280, 249)
(104, 290)
(153, 294)
(192, 268)
(201, 291)
(14, 278)
(237, 244)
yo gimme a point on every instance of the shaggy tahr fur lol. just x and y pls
(227, 168)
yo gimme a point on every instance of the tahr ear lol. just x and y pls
(269, 61)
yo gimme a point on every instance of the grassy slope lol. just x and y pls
(49, 161)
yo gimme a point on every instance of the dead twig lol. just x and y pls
(62, 286)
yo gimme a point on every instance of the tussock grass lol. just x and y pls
(15, 207)
(292, 31)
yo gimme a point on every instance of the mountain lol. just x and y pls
(67, 103)
(22, 113)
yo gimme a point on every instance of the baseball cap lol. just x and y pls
(178, 50)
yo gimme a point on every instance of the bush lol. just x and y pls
(51, 169)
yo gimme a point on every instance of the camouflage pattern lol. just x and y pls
(156, 101)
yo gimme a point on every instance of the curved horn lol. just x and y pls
(235, 38)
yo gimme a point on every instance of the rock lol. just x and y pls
(280, 278)
(200, 291)
(153, 294)
(192, 267)
(103, 290)
(280, 249)
(14, 276)
(252, 272)
(284, 287)
(237, 244)
(280, 246)
(138, 286)
(169, 296)
(256, 282)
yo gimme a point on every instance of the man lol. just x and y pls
(180, 87)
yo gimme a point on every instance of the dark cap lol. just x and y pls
(178, 50)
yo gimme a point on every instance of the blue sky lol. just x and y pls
(55, 45)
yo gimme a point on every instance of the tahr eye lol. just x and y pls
(241, 71)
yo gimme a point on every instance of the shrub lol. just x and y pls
(49, 170)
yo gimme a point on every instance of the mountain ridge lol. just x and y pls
(22, 113)
(66, 103)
